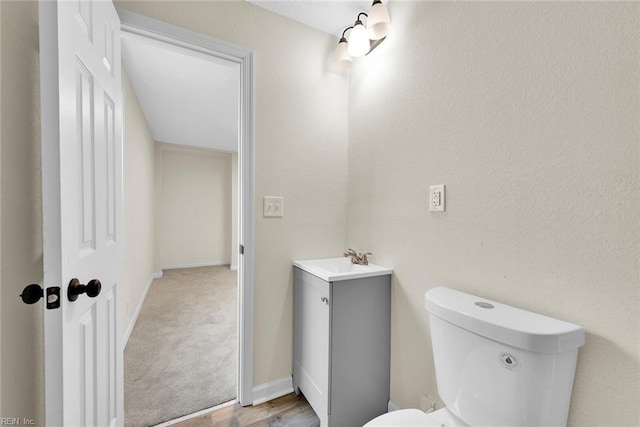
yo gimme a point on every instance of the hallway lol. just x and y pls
(182, 355)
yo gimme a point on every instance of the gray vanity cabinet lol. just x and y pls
(342, 346)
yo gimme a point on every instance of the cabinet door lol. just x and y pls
(360, 350)
(313, 328)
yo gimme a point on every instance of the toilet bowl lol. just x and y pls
(495, 365)
(415, 417)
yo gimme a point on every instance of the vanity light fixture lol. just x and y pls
(363, 40)
(340, 56)
(358, 44)
(378, 21)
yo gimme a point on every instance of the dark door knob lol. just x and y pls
(92, 289)
(32, 294)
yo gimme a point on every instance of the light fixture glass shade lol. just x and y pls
(340, 56)
(358, 41)
(378, 22)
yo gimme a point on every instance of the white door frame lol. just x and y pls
(144, 26)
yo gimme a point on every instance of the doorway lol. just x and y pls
(181, 356)
(197, 45)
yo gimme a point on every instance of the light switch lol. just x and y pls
(272, 207)
(436, 198)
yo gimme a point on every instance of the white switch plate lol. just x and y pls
(436, 198)
(272, 207)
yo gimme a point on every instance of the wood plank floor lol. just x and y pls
(288, 410)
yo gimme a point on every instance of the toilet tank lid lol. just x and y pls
(503, 323)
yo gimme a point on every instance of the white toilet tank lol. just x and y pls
(498, 365)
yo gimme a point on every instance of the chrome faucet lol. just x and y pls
(357, 258)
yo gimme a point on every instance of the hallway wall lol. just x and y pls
(193, 206)
(139, 208)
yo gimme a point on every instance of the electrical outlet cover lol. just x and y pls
(436, 198)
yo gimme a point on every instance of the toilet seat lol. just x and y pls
(415, 417)
(403, 418)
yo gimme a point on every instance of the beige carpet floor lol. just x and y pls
(182, 354)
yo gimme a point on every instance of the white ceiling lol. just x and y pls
(187, 98)
(329, 16)
(193, 99)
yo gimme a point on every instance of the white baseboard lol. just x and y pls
(233, 267)
(157, 275)
(134, 318)
(392, 406)
(197, 414)
(271, 390)
(194, 265)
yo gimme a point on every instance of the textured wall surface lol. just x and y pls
(139, 209)
(300, 149)
(529, 113)
(21, 225)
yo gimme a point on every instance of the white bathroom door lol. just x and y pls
(81, 98)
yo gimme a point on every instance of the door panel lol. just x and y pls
(110, 156)
(86, 178)
(81, 99)
(87, 347)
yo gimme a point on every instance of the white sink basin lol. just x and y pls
(336, 269)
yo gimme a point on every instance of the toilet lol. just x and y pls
(495, 365)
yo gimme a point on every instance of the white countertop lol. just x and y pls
(336, 269)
